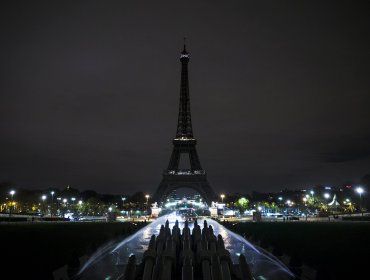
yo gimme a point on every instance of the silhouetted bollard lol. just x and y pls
(225, 259)
(130, 271)
(216, 268)
(212, 243)
(160, 241)
(157, 269)
(187, 269)
(245, 271)
(199, 249)
(206, 267)
(168, 257)
(149, 259)
(186, 251)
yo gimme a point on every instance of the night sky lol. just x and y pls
(279, 92)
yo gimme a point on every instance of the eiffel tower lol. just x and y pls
(184, 144)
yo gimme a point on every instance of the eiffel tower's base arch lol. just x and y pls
(199, 183)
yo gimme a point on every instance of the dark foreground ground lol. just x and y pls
(337, 250)
(35, 250)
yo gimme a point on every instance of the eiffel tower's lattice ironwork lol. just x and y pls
(184, 144)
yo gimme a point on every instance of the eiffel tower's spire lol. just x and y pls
(184, 51)
(184, 126)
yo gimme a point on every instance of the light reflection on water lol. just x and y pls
(111, 261)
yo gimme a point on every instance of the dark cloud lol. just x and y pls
(89, 92)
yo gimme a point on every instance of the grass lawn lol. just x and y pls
(337, 250)
(36, 249)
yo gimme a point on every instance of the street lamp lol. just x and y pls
(360, 191)
(12, 192)
(312, 192)
(280, 198)
(147, 200)
(123, 204)
(52, 202)
(305, 205)
(327, 196)
(43, 201)
(222, 198)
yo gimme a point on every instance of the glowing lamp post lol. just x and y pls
(305, 205)
(12, 192)
(147, 200)
(43, 201)
(327, 196)
(52, 202)
(360, 191)
(123, 204)
(222, 198)
(280, 198)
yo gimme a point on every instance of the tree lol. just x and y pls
(349, 208)
(138, 197)
(242, 204)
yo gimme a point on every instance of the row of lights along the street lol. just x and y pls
(359, 190)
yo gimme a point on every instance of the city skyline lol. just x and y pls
(89, 94)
